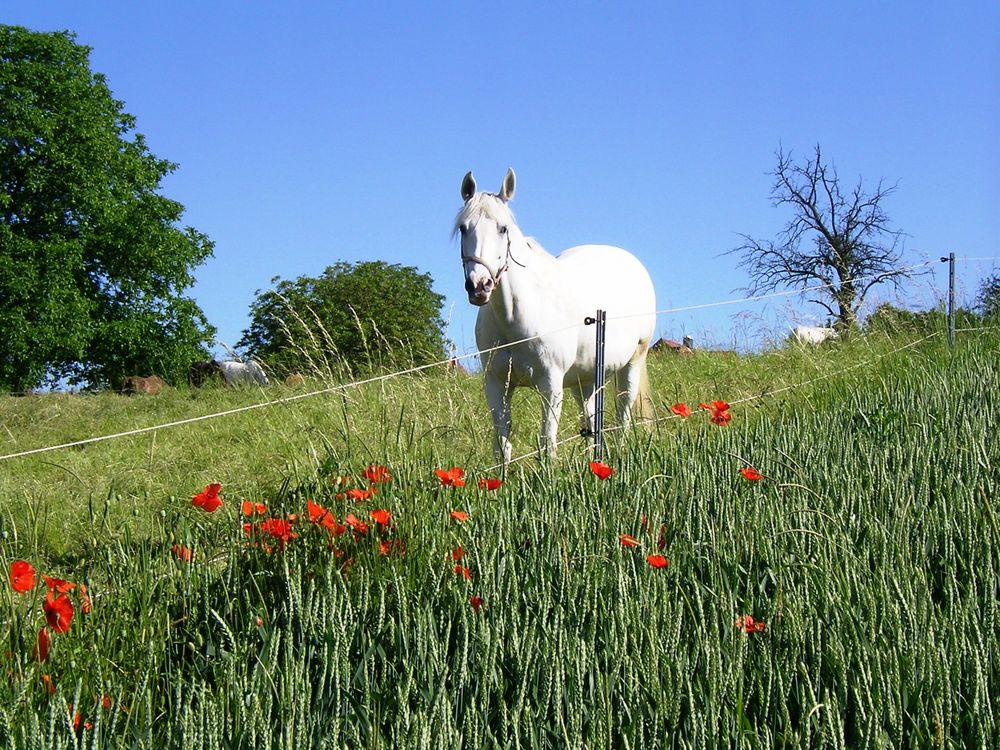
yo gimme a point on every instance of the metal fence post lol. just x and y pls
(951, 298)
(601, 321)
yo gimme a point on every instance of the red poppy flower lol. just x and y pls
(208, 499)
(751, 474)
(249, 509)
(22, 576)
(358, 495)
(489, 484)
(359, 526)
(681, 410)
(58, 612)
(460, 515)
(41, 650)
(381, 517)
(106, 702)
(377, 474)
(476, 602)
(182, 553)
(628, 541)
(279, 528)
(58, 585)
(385, 547)
(84, 599)
(657, 561)
(720, 418)
(318, 514)
(464, 572)
(451, 477)
(715, 406)
(76, 722)
(747, 624)
(50, 685)
(457, 554)
(601, 471)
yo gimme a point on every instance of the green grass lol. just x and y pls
(870, 551)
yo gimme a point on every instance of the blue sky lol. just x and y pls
(313, 132)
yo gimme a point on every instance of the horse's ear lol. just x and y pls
(509, 183)
(468, 186)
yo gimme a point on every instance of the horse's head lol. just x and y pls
(485, 224)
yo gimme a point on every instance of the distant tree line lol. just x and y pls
(95, 264)
(353, 318)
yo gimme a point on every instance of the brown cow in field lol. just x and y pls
(135, 384)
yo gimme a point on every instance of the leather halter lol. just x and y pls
(500, 271)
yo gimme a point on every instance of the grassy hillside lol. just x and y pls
(868, 550)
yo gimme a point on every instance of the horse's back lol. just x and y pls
(611, 279)
(609, 272)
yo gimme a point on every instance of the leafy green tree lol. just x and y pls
(988, 300)
(353, 318)
(93, 264)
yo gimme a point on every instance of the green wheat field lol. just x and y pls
(849, 599)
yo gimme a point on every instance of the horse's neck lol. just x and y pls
(525, 290)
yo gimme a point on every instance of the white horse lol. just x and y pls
(239, 373)
(524, 292)
(812, 334)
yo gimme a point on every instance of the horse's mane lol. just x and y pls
(490, 206)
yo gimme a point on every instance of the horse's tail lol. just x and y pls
(643, 409)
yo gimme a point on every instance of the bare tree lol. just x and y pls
(841, 241)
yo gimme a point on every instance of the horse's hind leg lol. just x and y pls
(498, 395)
(627, 391)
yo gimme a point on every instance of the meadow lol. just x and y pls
(848, 598)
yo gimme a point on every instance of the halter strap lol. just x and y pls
(500, 271)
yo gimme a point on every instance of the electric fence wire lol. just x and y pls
(412, 370)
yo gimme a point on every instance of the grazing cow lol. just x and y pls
(243, 373)
(669, 345)
(812, 334)
(295, 380)
(201, 372)
(136, 384)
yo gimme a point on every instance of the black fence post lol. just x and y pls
(601, 321)
(951, 298)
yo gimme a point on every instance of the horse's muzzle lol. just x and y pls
(479, 294)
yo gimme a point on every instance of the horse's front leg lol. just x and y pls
(551, 391)
(498, 395)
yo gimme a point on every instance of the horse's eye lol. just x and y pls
(502, 230)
